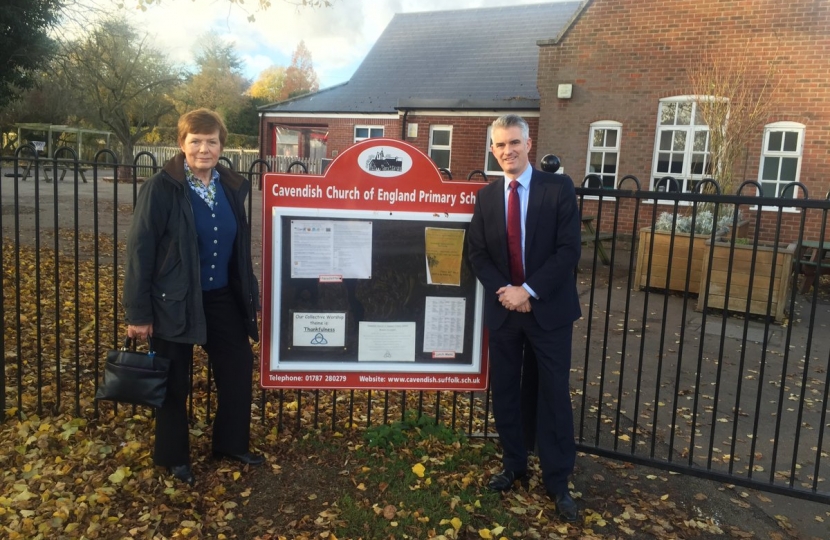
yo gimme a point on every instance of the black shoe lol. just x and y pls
(504, 480)
(566, 507)
(248, 458)
(183, 473)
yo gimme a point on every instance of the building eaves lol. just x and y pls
(467, 104)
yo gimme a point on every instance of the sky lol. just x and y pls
(339, 37)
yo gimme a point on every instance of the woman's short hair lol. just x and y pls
(201, 121)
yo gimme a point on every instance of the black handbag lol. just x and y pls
(134, 377)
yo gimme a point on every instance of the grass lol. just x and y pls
(422, 483)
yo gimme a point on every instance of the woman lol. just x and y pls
(189, 280)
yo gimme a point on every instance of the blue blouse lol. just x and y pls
(216, 232)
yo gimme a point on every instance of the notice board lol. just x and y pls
(365, 282)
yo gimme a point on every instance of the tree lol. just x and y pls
(300, 77)
(735, 95)
(219, 84)
(45, 103)
(269, 84)
(118, 81)
(24, 43)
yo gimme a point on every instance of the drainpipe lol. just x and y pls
(403, 126)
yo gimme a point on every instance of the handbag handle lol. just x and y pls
(127, 347)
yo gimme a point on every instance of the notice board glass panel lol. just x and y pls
(395, 291)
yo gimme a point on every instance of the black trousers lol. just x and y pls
(554, 413)
(231, 359)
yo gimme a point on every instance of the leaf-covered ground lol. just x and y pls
(63, 476)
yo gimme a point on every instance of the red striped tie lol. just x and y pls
(514, 235)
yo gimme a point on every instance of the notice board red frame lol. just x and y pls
(375, 179)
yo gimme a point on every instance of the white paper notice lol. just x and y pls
(444, 324)
(319, 329)
(331, 248)
(386, 342)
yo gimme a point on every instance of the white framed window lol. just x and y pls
(440, 145)
(367, 132)
(604, 152)
(681, 148)
(781, 158)
(491, 166)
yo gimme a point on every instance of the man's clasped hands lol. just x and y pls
(514, 298)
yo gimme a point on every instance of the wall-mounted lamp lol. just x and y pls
(564, 91)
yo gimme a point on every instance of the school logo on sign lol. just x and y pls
(384, 161)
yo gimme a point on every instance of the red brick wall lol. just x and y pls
(469, 136)
(622, 56)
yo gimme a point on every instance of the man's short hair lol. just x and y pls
(513, 120)
(203, 122)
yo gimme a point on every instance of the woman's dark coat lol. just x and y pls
(162, 284)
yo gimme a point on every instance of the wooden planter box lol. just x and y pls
(715, 289)
(679, 260)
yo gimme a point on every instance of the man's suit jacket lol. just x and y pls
(552, 248)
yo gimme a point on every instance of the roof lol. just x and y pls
(464, 58)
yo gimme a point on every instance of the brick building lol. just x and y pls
(434, 79)
(604, 85)
(630, 110)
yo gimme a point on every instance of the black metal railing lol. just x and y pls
(697, 353)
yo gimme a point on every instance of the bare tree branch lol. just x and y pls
(735, 95)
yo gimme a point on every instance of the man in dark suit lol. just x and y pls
(524, 244)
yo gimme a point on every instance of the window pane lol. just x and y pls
(611, 138)
(770, 171)
(770, 189)
(697, 163)
(361, 132)
(667, 113)
(610, 163)
(441, 137)
(377, 132)
(676, 164)
(596, 162)
(492, 164)
(441, 158)
(665, 140)
(608, 182)
(599, 138)
(699, 121)
(663, 162)
(788, 166)
(790, 141)
(684, 113)
(700, 141)
(679, 141)
(775, 141)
